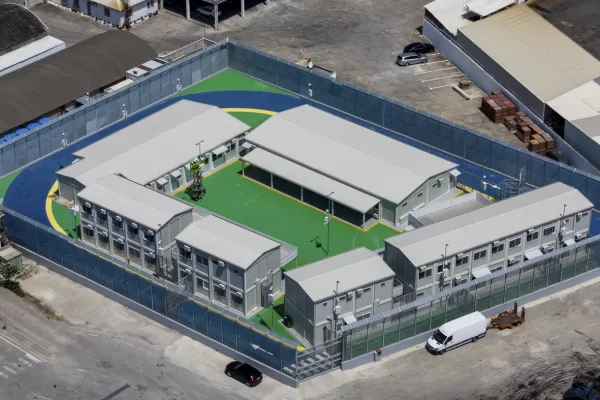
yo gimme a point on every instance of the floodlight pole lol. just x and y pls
(443, 265)
(562, 216)
(329, 223)
(199, 144)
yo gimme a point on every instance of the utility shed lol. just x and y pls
(47, 85)
(229, 264)
(157, 149)
(400, 176)
(530, 57)
(492, 237)
(323, 296)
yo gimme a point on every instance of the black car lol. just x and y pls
(419, 48)
(244, 373)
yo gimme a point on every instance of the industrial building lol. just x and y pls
(444, 209)
(489, 239)
(323, 296)
(157, 150)
(24, 38)
(83, 69)
(229, 264)
(360, 175)
(118, 13)
(133, 222)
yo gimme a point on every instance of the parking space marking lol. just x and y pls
(10, 370)
(435, 70)
(438, 87)
(443, 77)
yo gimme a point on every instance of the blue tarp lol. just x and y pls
(21, 131)
(45, 121)
(33, 126)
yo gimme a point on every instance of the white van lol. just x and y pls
(457, 332)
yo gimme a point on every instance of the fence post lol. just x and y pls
(519, 285)
(587, 261)
(476, 291)
(446, 309)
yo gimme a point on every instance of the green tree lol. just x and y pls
(8, 271)
(196, 190)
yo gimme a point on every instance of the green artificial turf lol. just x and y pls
(231, 80)
(270, 318)
(249, 203)
(251, 119)
(66, 220)
(6, 181)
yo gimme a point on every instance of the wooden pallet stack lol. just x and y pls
(528, 132)
(497, 107)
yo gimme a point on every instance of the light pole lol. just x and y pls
(335, 304)
(199, 144)
(328, 221)
(562, 216)
(442, 280)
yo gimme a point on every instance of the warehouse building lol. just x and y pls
(360, 175)
(475, 244)
(118, 13)
(229, 264)
(24, 38)
(157, 150)
(85, 68)
(323, 296)
(133, 222)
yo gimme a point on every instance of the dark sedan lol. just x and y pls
(244, 373)
(419, 48)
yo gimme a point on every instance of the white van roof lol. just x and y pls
(449, 327)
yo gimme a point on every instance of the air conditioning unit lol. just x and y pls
(87, 204)
(445, 273)
(134, 225)
(359, 291)
(152, 255)
(161, 251)
(119, 240)
(118, 218)
(220, 263)
(337, 309)
(530, 231)
(512, 261)
(222, 286)
(579, 215)
(187, 248)
(581, 236)
(152, 185)
(459, 255)
(239, 294)
(90, 227)
(150, 233)
(496, 243)
(547, 249)
(349, 295)
(104, 233)
(102, 211)
(375, 216)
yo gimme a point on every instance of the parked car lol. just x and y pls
(419, 48)
(405, 59)
(207, 11)
(244, 373)
(460, 331)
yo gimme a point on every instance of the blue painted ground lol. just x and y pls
(27, 194)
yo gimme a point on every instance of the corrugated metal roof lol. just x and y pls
(485, 225)
(118, 5)
(312, 180)
(537, 54)
(157, 144)
(484, 8)
(354, 269)
(133, 201)
(18, 26)
(590, 126)
(27, 52)
(450, 13)
(347, 152)
(226, 241)
(442, 210)
(581, 102)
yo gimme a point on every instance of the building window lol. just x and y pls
(238, 300)
(202, 284)
(549, 231)
(150, 258)
(88, 231)
(440, 268)
(514, 243)
(497, 248)
(420, 194)
(479, 255)
(325, 304)
(425, 273)
(404, 204)
(149, 237)
(117, 223)
(86, 208)
(185, 253)
(533, 236)
(236, 271)
(462, 260)
(219, 291)
(120, 246)
(103, 238)
(106, 12)
(382, 284)
(364, 316)
(134, 252)
(496, 269)
(201, 260)
(102, 215)
(133, 229)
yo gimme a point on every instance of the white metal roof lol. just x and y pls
(156, 145)
(590, 126)
(483, 226)
(484, 8)
(537, 54)
(450, 13)
(226, 241)
(29, 51)
(347, 152)
(133, 201)
(312, 180)
(581, 102)
(354, 269)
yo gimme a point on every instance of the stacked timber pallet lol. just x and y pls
(497, 107)
(528, 132)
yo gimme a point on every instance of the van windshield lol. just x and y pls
(439, 336)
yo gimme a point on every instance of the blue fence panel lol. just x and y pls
(274, 354)
(145, 292)
(93, 269)
(43, 241)
(200, 319)
(173, 301)
(593, 189)
(288, 356)
(106, 272)
(34, 140)
(68, 254)
(80, 260)
(215, 329)
(133, 288)
(55, 247)
(159, 297)
(119, 281)
(229, 332)
(244, 340)
(30, 237)
(259, 348)
(187, 313)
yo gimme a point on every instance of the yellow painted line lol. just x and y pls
(249, 110)
(49, 212)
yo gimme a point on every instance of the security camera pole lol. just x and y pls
(328, 222)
